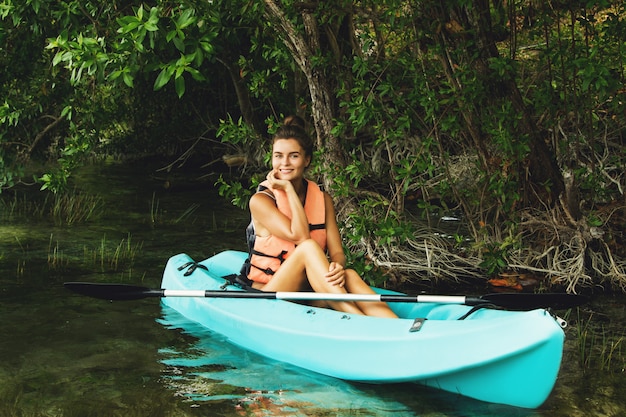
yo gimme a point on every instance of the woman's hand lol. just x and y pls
(336, 275)
(275, 182)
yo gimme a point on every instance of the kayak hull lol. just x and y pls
(496, 356)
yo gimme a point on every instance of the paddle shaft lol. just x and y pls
(317, 296)
(515, 301)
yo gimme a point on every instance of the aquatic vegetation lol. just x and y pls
(187, 213)
(75, 207)
(107, 256)
(15, 206)
(56, 258)
(155, 212)
(114, 258)
(64, 209)
(612, 356)
(600, 347)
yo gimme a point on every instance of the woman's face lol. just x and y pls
(289, 160)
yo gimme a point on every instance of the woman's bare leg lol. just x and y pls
(356, 285)
(308, 261)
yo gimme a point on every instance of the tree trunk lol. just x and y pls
(243, 96)
(322, 103)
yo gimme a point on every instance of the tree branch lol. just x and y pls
(40, 135)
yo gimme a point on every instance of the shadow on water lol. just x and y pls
(67, 355)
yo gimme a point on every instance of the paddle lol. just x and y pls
(511, 301)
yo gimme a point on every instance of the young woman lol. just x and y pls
(297, 246)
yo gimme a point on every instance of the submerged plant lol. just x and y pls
(74, 207)
(106, 256)
(121, 256)
(155, 212)
(65, 209)
(56, 258)
(599, 347)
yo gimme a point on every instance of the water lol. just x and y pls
(67, 355)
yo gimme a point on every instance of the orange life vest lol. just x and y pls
(267, 253)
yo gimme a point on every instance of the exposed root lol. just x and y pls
(572, 254)
(426, 256)
(567, 253)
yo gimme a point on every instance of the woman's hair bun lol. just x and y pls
(294, 127)
(294, 120)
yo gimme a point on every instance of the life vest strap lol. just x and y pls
(268, 271)
(280, 256)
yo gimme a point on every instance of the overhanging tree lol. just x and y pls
(416, 107)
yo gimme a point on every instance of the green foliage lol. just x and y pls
(242, 138)
(137, 36)
(494, 259)
(594, 221)
(495, 256)
(420, 88)
(93, 53)
(235, 192)
(237, 133)
(390, 230)
(365, 268)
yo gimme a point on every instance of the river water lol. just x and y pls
(67, 355)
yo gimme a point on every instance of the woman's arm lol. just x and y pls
(269, 220)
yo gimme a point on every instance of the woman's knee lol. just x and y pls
(353, 276)
(308, 246)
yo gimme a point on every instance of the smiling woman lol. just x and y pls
(295, 243)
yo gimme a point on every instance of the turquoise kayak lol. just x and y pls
(498, 356)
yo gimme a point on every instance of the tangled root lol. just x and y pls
(570, 253)
(567, 253)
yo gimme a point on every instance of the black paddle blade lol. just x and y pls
(529, 301)
(112, 291)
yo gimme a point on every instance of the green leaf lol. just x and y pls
(114, 75)
(58, 57)
(179, 83)
(170, 35)
(152, 24)
(179, 72)
(67, 112)
(185, 19)
(179, 44)
(196, 74)
(206, 47)
(128, 24)
(128, 79)
(163, 78)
